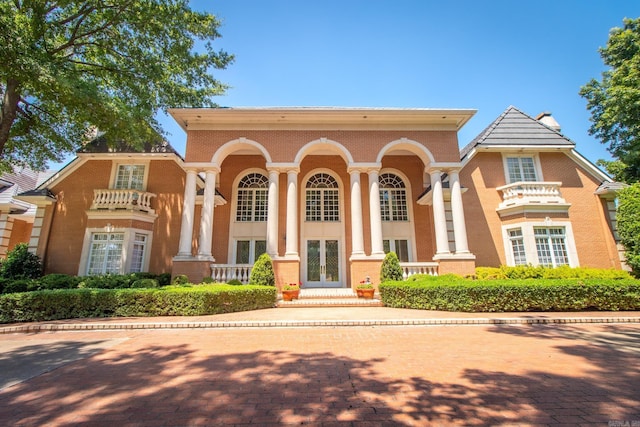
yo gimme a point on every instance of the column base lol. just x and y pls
(363, 268)
(286, 271)
(461, 264)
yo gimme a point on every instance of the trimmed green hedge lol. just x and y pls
(169, 301)
(513, 295)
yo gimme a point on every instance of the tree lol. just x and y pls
(614, 102)
(21, 264)
(262, 272)
(628, 219)
(390, 269)
(70, 67)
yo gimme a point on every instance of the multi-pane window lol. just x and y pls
(517, 246)
(521, 169)
(138, 252)
(105, 254)
(551, 246)
(130, 177)
(322, 201)
(393, 198)
(248, 251)
(399, 246)
(252, 198)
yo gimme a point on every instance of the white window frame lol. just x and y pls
(237, 189)
(392, 246)
(390, 192)
(529, 240)
(536, 164)
(252, 248)
(331, 210)
(137, 162)
(127, 248)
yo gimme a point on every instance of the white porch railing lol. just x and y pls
(531, 192)
(411, 268)
(122, 199)
(222, 273)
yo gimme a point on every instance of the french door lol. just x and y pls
(323, 263)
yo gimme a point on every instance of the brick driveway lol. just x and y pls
(360, 376)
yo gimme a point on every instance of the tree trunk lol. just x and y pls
(9, 111)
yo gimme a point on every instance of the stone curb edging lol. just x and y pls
(53, 327)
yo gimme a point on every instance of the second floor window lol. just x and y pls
(252, 198)
(521, 169)
(130, 177)
(393, 198)
(322, 201)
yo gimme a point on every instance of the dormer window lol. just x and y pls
(521, 168)
(129, 177)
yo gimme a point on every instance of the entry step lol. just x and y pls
(329, 297)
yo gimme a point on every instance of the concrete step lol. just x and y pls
(329, 297)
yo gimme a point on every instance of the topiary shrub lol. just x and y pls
(145, 283)
(207, 280)
(19, 285)
(234, 282)
(390, 269)
(180, 279)
(262, 272)
(21, 264)
(164, 279)
(58, 281)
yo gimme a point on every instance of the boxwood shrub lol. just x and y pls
(513, 295)
(169, 301)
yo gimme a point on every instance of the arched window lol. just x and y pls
(322, 198)
(252, 198)
(393, 198)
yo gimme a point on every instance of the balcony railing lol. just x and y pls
(540, 194)
(222, 273)
(411, 268)
(135, 200)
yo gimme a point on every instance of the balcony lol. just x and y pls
(521, 196)
(128, 200)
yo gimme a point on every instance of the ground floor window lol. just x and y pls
(248, 251)
(540, 244)
(399, 246)
(115, 252)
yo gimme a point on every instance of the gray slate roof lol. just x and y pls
(515, 128)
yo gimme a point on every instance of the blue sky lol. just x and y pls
(483, 55)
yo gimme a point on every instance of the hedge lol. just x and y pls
(513, 295)
(170, 301)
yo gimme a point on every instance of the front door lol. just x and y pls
(323, 263)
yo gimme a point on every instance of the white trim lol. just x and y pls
(334, 146)
(588, 166)
(407, 144)
(127, 247)
(529, 240)
(401, 230)
(228, 148)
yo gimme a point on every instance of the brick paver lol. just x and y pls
(348, 376)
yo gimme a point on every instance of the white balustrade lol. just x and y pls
(411, 268)
(222, 273)
(532, 192)
(123, 199)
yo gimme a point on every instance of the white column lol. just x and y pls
(357, 237)
(206, 220)
(459, 225)
(272, 214)
(439, 218)
(292, 213)
(377, 247)
(6, 227)
(186, 228)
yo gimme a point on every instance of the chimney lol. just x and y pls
(547, 119)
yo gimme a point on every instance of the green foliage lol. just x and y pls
(164, 279)
(234, 282)
(514, 295)
(21, 264)
(145, 283)
(390, 269)
(262, 272)
(180, 279)
(562, 272)
(172, 301)
(613, 101)
(628, 216)
(208, 280)
(19, 285)
(68, 67)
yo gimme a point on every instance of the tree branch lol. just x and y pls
(8, 113)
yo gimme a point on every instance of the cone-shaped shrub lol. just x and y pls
(262, 272)
(390, 269)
